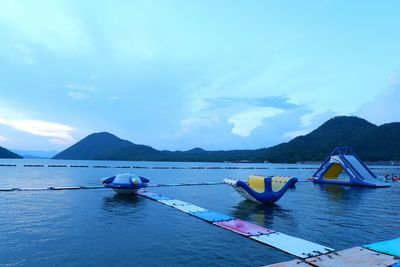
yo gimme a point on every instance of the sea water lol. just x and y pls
(99, 228)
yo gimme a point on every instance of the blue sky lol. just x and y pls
(183, 74)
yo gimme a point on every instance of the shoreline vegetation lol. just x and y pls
(374, 144)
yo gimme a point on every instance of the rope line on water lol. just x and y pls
(158, 167)
(99, 187)
(394, 168)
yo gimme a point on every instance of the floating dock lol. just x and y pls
(352, 257)
(310, 254)
(292, 245)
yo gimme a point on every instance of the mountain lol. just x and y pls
(7, 154)
(380, 144)
(371, 142)
(102, 146)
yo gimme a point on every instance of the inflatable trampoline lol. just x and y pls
(262, 189)
(125, 183)
(344, 167)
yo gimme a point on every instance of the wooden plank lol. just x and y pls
(293, 263)
(352, 257)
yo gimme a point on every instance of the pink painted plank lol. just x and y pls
(243, 228)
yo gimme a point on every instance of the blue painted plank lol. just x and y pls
(151, 195)
(391, 247)
(211, 216)
(157, 197)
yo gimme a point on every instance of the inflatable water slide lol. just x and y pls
(344, 167)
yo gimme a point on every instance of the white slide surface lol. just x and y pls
(365, 174)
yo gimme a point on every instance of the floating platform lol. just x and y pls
(391, 247)
(289, 244)
(182, 206)
(173, 202)
(190, 208)
(211, 216)
(353, 257)
(152, 196)
(292, 263)
(243, 227)
(298, 247)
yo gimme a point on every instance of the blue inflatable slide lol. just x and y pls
(344, 167)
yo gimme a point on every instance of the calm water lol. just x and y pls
(98, 228)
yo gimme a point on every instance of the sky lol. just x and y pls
(182, 74)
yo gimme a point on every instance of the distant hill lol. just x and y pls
(7, 154)
(371, 142)
(99, 146)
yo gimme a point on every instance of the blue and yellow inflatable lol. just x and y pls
(263, 189)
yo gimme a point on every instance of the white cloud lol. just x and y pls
(193, 123)
(309, 122)
(79, 95)
(3, 139)
(80, 87)
(293, 134)
(383, 108)
(114, 98)
(80, 91)
(245, 122)
(59, 133)
(394, 79)
(52, 25)
(95, 76)
(315, 119)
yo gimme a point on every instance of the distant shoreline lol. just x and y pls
(316, 163)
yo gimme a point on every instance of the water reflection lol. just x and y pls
(335, 192)
(261, 214)
(340, 193)
(122, 201)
